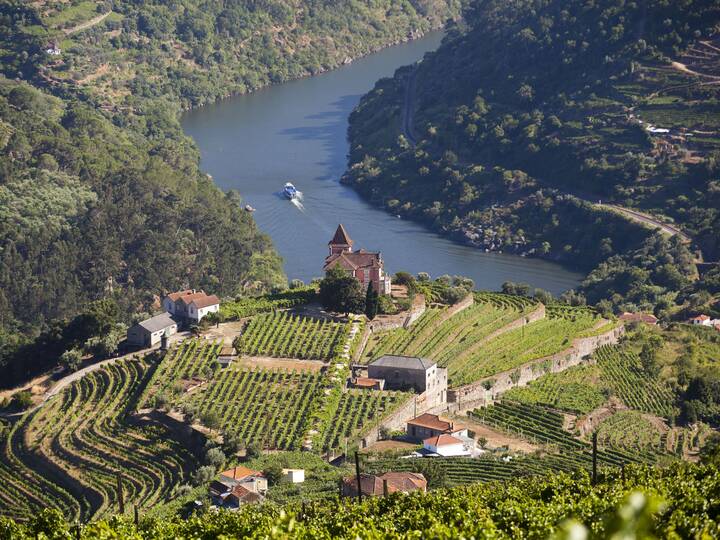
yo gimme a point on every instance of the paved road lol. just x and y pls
(66, 381)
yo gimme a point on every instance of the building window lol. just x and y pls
(366, 275)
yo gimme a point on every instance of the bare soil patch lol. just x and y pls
(267, 362)
(496, 439)
(388, 446)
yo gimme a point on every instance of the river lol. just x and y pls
(297, 131)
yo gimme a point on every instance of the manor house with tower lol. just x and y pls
(367, 267)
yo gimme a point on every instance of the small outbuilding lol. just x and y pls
(149, 332)
(294, 476)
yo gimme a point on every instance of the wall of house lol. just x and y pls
(138, 336)
(398, 378)
(476, 395)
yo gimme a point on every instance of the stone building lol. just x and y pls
(411, 373)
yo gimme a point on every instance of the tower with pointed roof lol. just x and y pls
(367, 267)
(341, 242)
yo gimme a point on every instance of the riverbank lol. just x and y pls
(298, 132)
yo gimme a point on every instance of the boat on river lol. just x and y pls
(290, 191)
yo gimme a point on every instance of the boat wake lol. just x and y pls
(297, 202)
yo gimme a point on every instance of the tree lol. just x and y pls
(211, 420)
(372, 302)
(341, 292)
(215, 457)
(432, 471)
(71, 359)
(232, 444)
(21, 400)
(253, 450)
(273, 473)
(203, 475)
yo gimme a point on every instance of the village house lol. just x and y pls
(190, 305)
(367, 267)
(701, 320)
(238, 486)
(150, 332)
(411, 372)
(645, 318)
(429, 425)
(378, 486)
(252, 480)
(445, 445)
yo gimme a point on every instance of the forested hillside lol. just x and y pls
(532, 112)
(101, 196)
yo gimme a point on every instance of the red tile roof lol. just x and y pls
(442, 440)
(371, 485)
(341, 237)
(355, 260)
(205, 301)
(176, 295)
(646, 318)
(701, 318)
(239, 473)
(244, 495)
(366, 382)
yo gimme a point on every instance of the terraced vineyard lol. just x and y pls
(622, 369)
(544, 426)
(67, 454)
(579, 390)
(471, 345)
(267, 406)
(519, 346)
(461, 471)
(283, 335)
(630, 430)
(191, 358)
(357, 409)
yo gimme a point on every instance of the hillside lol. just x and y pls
(642, 503)
(100, 192)
(532, 113)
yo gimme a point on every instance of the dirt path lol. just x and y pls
(682, 67)
(267, 362)
(87, 24)
(496, 439)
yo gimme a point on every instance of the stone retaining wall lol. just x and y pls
(476, 394)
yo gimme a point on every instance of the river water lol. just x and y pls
(297, 132)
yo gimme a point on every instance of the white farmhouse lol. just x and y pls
(446, 445)
(191, 305)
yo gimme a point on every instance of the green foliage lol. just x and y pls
(247, 307)
(643, 502)
(341, 292)
(285, 335)
(88, 424)
(530, 113)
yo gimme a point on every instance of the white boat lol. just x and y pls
(249, 208)
(290, 191)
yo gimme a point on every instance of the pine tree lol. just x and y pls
(371, 302)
